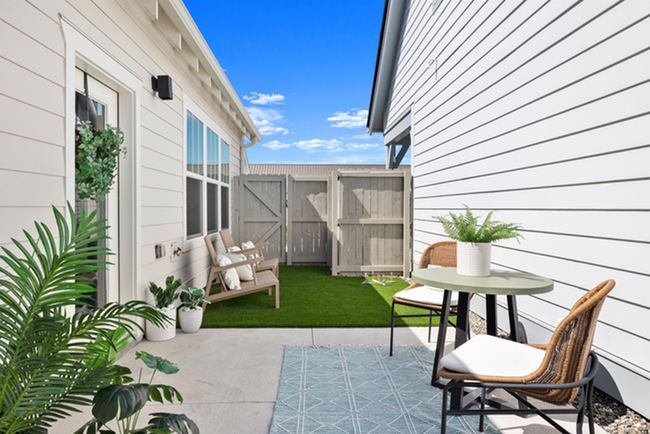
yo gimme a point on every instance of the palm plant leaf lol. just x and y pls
(46, 360)
(178, 423)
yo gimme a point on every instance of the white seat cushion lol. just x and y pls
(427, 295)
(245, 272)
(488, 355)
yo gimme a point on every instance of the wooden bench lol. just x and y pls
(262, 280)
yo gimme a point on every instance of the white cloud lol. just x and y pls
(275, 145)
(347, 120)
(358, 159)
(362, 136)
(265, 118)
(363, 145)
(319, 145)
(264, 99)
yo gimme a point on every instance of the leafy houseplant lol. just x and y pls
(474, 248)
(164, 299)
(190, 315)
(96, 160)
(123, 403)
(50, 360)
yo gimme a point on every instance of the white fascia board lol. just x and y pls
(185, 24)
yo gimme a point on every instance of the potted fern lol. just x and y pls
(190, 315)
(474, 247)
(164, 299)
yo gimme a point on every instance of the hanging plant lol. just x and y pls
(96, 158)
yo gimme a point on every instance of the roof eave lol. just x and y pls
(391, 29)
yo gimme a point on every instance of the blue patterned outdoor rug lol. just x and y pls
(361, 390)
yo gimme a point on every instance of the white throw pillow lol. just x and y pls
(230, 275)
(245, 272)
(249, 245)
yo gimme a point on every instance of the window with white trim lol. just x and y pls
(207, 177)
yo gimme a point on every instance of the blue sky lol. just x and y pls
(303, 70)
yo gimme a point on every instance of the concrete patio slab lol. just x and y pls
(229, 377)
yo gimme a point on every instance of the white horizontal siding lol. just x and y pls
(32, 92)
(541, 111)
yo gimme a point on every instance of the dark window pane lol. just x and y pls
(225, 208)
(213, 207)
(193, 208)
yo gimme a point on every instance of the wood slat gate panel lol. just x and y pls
(308, 220)
(371, 222)
(261, 214)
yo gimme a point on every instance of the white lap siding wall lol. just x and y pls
(32, 125)
(541, 111)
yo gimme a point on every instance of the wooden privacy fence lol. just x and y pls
(371, 222)
(356, 221)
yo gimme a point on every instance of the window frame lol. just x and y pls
(190, 106)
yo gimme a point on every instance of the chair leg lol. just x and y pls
(277, 296)
(392, 326)
(481, 419)
(430, 322)
(208, 287)
(443, 419)
(590, 406)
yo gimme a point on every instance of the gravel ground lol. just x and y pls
(611, 415)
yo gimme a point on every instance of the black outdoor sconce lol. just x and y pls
(163, 85)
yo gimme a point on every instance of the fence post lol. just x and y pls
(290, 180)
(335, 222)
(407, 223)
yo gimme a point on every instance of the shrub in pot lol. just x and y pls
(190, 314)
(474, 248)
(164, 299)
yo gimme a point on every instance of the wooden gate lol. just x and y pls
(260, 212)
(371, 222)
(308, 222)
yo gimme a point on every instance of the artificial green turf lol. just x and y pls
(311, 297)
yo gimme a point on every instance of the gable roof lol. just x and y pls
(312, 169)
(391, 29)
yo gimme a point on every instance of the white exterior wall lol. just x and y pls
(32, 126)
(541, 111)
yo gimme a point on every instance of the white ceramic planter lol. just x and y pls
(473, 259)
(190, 319)
(167, 331)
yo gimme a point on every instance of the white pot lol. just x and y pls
(190, 319)
(473, 259)
(167, 331)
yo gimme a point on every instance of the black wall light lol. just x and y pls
(163, 85)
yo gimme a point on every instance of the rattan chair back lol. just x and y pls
(568, 351)
(442, 253)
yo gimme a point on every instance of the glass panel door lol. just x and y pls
(101, 109)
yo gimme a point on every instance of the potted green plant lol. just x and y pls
(164, 299)
(190, 315)
(474, 242)
(96, 160)
(123, 401)
(52, 360)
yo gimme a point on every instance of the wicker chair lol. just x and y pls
(441, 254)
(554, 371)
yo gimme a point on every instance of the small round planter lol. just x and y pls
(167, 331)
(190, 319)
(473, 259)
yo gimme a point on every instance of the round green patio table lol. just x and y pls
(499, 282)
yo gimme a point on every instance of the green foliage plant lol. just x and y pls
(50, 359)
(123, 401)
(163, 297)
(465, 228)
(96, 157)
(191, 298)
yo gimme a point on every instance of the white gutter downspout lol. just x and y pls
(245, 170)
